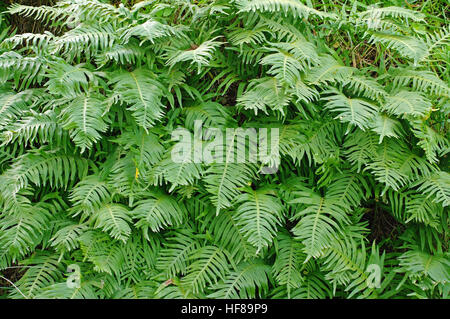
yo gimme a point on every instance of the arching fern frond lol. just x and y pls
(142, 93)
(113, 219)
(294, 7)
(404, 103)
(355, 111)
(157, 212)
(319, 219)
(288, 265)
(83, 117)
(250, 280)
(436, 186)
(258, 215)
(209, 265)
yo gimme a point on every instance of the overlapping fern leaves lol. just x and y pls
(87, 178)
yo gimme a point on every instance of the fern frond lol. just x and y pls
(410, 47)
(290, 59)
(66, 239)
(394, 12)
(106, 256)
(113, 219)
(142, 93)
(85, 38)
(200, 55)
(366, 87)
(225, 175)
(83, 118)
(436, 186)
(421, 209)
(151, 30)
(121, 54)
(87, 290)
(352, 110)
(360, 147)
(384, 126)
(348, 188)
(44, 13)
(288, 263)
(43, 271)
(41, 127)
(258, 214)
(173, 259)
(228, 234)
(24, 70)
(37, 41)
(404, 103)
(12, 104)
(434, 144)
(250, 280)
(241, 36)
(328, 71)
(294, 7)
(42, 167)
(440, 38)
(418, 263)
(68, 80)
(424, 81)
(23, 227)
(157, 212)
(263, 93)
(89, 194)
(319, 219)
(209, 265)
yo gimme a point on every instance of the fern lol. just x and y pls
(144, 94)
(353, 98)
(258, 215)
(288, 265)
(244, 282)
(157, 212)
(354, 111)
(319, 220)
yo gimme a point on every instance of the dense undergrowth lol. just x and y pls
(358, 207)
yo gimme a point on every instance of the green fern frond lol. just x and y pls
(200, 55)
(250, 280)
(258, 215)
(394, 12)
(210, 264)
(355, 111)
(41, 167)
(173, 259)
(142, 93)
(424, 81)
(287, 268)
(263, 93)
(83, 118)
(89, 194)
(410, 47)
(328, 71)
(151, 30)
(384, 126)
(43, 271)
(404, 103)
(113, 219)
(436, 186)
(319, 219)
(157, 212)
(294, 7)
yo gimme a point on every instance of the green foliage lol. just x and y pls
(359, 94)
